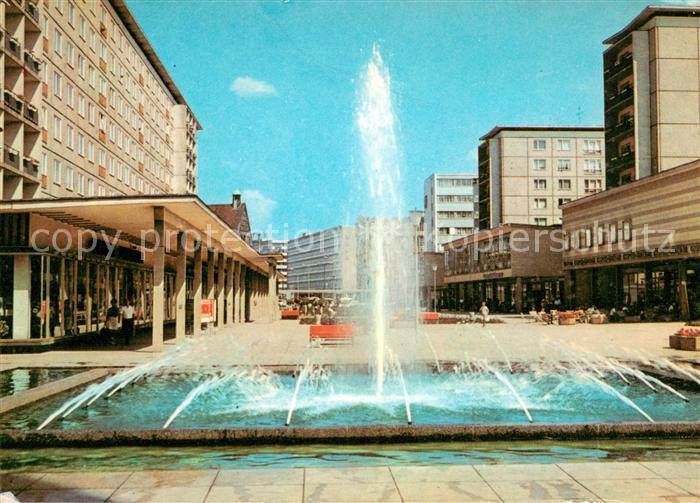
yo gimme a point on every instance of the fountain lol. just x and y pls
(201, 387)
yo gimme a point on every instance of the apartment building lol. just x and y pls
(526, 173)
(451, 208)
(88, 107)
(323, 260)
(652, 94)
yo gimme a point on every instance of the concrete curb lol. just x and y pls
(346, 435)
(49, 389)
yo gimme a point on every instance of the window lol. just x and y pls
(539, 203)
(57, 84)
(81, 105)
(102, 86)
(539, 164)
(69, 178)
(81, 65)
(112, 168)
(627, 230)
(592, 186)
(58, 42)
(591, 166)
(90, 187)
(564, 200)
(69, 136)
(592, 147)
(539, 144)
(81, 183)
(589, 237)
(71, 14)
(540, 184)
(600, 235)
(91, 76)
(612, 232)
(70, 54)
(92, 38)
(564, 164)
(540, 221)
(57, 125)
(91, 114)
(565, 184)
(91, 151)
(69, 94)
(81, 144)
(101, 158)
(81, 27)
(57, 172)
(564, 145)
(44, 164)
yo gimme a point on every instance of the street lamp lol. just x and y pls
(435, 287)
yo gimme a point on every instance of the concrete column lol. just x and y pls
(237, 293)
(180, 287)
(62, 294)
(197, 289)
(21, 298)
(519, 295)
(272, 294)
(47, 298)
(245, 296)
(158, 278)
(88, 296)
(211, 262)
(220, 277)
(229, 291)
(684, 305)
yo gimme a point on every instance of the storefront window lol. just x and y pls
(6, 286)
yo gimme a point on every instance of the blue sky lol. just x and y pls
(274, 86)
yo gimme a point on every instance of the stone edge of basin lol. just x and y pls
(24, 398)
(347, 435)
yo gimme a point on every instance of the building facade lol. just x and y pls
(513, 268)
(527, 173)
(637, 246)
(275, 247)
(450, 208)
(652, 94)
(88, 109)
(323, 261)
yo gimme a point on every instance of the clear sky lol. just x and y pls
(274, 86)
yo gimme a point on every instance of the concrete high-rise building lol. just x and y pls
(88, 107)
(278, 247)
(526, 173)
(652, 94)
(323, 260)
(451, 208)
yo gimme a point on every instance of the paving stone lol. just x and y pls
(81, 480)
(355, 493)
(363, 475)
(541, 490)
(274, 493)
(440, 473)
(167, 478)
(170, 494)
(439, 491)
(635, 490)
(521, 472)
(675, 469)
(591, 471)
(65, 495)
(260, 477)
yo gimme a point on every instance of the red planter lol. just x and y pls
(341, 331)
(290, 314)
(429, 317)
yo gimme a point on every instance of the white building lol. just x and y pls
(276, 246)
(324, 260)
(451, 207)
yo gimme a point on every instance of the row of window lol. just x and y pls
(590, 166)
(600, 235)
(455, 214)
(590, 186)
(455, 199)
(589, 146)
(455, 182)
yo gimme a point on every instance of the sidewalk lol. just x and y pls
(626, 481)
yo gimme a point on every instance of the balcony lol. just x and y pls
(12, 47)
(30, 166)
(13, 102)
(621, 68)
(32, 114)
(32, 63)
(11, 157)
(622, 129)
(621, 97)
(32, 11)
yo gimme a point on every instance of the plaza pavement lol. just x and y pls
(634, 482)
(287, 343)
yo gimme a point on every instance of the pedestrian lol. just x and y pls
(484, 311)
(127, 313)
(112, 320)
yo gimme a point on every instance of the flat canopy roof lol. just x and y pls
(568, 129)
(650, 12)
(133, 216)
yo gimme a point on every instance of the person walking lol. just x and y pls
(127, 313)
(112, 321)
(484, 311)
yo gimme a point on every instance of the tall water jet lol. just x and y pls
(389, 280)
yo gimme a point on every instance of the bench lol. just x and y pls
(331, 335)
